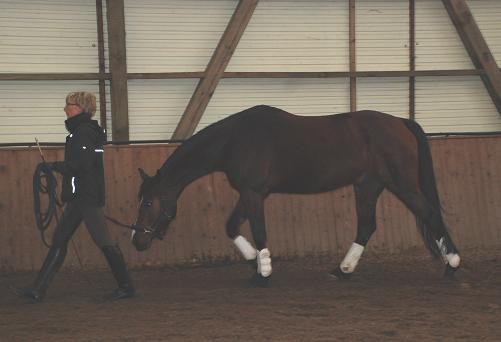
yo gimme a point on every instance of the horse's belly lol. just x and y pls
(315, 183)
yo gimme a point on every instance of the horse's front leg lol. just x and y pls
(251, 206)
(255, 214)
(237, 218)
(263, 260)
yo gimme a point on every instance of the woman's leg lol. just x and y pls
(96, 225)
(70, 221)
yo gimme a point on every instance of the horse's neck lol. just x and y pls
(195, 158)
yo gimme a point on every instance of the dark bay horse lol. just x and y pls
(264, 150)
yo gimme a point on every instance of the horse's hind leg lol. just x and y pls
(433, 229)
(366, 194)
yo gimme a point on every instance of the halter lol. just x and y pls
(155, 229)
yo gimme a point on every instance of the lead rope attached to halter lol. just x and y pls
(118, 223)
(45, 183)
(43, 219)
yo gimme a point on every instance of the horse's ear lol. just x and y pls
(143, 174)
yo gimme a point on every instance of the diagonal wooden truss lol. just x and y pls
(476, 46)
(458, 11)
(467, 28)
(215, 69)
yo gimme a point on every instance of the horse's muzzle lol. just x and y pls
(142, 239)
(142, 245)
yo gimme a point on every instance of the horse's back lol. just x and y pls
(273, 129)
(271, 126)
(282, 152)
(264, 117)
(275, 121)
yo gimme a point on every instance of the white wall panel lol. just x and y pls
(173, 35)
(487, 14)
(289, 35)
(281, 36)
(385, 94)
(455, 104)
(156, 106)
(30, 109)
(438, 45)
(109, 119)
(298, 96)
(382, 35)
(48, 36)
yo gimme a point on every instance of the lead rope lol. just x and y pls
(43, 219)
(118, 223)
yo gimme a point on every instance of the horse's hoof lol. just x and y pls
(339, 275)
(260, 281)
(450, 271)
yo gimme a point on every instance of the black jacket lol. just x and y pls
(82, 168)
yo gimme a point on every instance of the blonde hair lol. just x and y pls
(84, 99)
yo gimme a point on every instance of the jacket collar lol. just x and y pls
(72, 123)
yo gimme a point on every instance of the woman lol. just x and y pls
(83, 192)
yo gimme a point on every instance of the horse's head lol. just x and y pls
(156, 210)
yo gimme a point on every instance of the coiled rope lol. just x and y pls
(45, 184)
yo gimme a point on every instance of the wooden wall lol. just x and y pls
(468, 172)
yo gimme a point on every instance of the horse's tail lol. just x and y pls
(428, 187)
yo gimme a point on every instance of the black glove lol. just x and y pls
(56, 166)
(45, 167)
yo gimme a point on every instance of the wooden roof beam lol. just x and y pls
(215, 69)
(118, 70)
(476, 46)
(352, 54)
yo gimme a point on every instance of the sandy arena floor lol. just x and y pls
(400, 299)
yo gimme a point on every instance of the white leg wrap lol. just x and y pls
(245, 248)
(452, 259)
(264, 262)
(350, 261)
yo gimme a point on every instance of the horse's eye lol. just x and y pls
(148, 203)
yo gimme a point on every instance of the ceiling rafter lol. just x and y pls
(476, 46)
(118, 70)
(215, 69)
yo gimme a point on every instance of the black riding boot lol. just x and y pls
(116, 261)
(51, 265)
